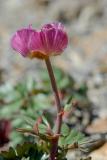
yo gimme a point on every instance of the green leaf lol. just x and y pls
(25, 151)
(22, 150)
(45, 121)
(10, 155)
(29, 120)
(65, 129)
(67, 107)
(80, 137)
(74, 136)
(71, 137)
(62, 141)
(42, 128)
(63, 82)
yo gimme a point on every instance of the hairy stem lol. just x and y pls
(58, 105)
(57, 99)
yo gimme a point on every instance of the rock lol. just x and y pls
(100, 154)
(98, 126)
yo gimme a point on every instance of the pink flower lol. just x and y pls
(50, 40)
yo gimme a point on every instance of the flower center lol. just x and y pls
(37, 54)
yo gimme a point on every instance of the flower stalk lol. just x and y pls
(59, 108)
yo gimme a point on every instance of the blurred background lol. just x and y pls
(85, 59)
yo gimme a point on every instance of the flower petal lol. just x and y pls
(60, 41)
(21, 39)
(35, 43)
(56, 25)
(54, 38)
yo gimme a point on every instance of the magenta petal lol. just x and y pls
(54, 38)
(47, 40)
(55, 25)
(35, 44)
(21, 39)
(60, 41)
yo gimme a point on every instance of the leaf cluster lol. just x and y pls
(32, 99)
(26, 151)
(72, 139)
